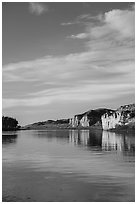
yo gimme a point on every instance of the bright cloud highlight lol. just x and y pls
(38, 8)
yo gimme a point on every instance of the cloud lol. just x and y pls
(116, 26)
(79, 36)
(76, 77)
(68, 23)
(88, 17)
(121, 21)
(104, 72)
(84, 19)
(38, 8)
(70, 94)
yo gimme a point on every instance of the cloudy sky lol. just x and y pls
(60, 59)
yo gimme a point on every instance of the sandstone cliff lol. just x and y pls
(88, 118)
(123, 116)
(108, 119)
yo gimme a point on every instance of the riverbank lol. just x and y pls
(66, 126)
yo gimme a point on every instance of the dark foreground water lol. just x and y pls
(68, 165)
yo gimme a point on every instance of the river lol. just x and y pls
(68, 165)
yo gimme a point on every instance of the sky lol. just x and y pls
(64, 58)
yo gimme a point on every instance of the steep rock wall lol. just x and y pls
(109, 121)
(121, 117)
(88, 118)
(84, 122)
(75, 122)
(107, 118)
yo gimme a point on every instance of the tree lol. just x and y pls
(9, 123)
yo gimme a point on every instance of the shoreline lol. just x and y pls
(122, 130)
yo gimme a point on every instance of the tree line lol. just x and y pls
(9, 123)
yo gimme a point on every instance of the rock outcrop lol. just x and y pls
(75, 122)
(106, 118)
(88, 118)
(123, 116)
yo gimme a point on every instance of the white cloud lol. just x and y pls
(79, 36)
(80, 93)
(84, 19)
(38, 8)
(104, 71)
(66, 24)
(88, 76)
(116, 26)
(88, 18)
(121, 21)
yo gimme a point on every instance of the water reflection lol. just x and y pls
(85, 138)
(39, 159)
(118, 142)
(130, 143)
(8, 139)
(59, 135)
(110, 141)
(107, 141)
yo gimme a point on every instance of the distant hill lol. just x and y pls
(62, 123)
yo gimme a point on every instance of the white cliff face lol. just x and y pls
(84, 122)
(74, 122)
(70, 121)
(109, 121)
(125, 115)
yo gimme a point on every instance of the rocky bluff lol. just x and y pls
(107, 119)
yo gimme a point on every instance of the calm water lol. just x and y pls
(68, 165)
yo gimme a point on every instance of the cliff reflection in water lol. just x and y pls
(85, 137)
(118, 142)
(104, 140)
